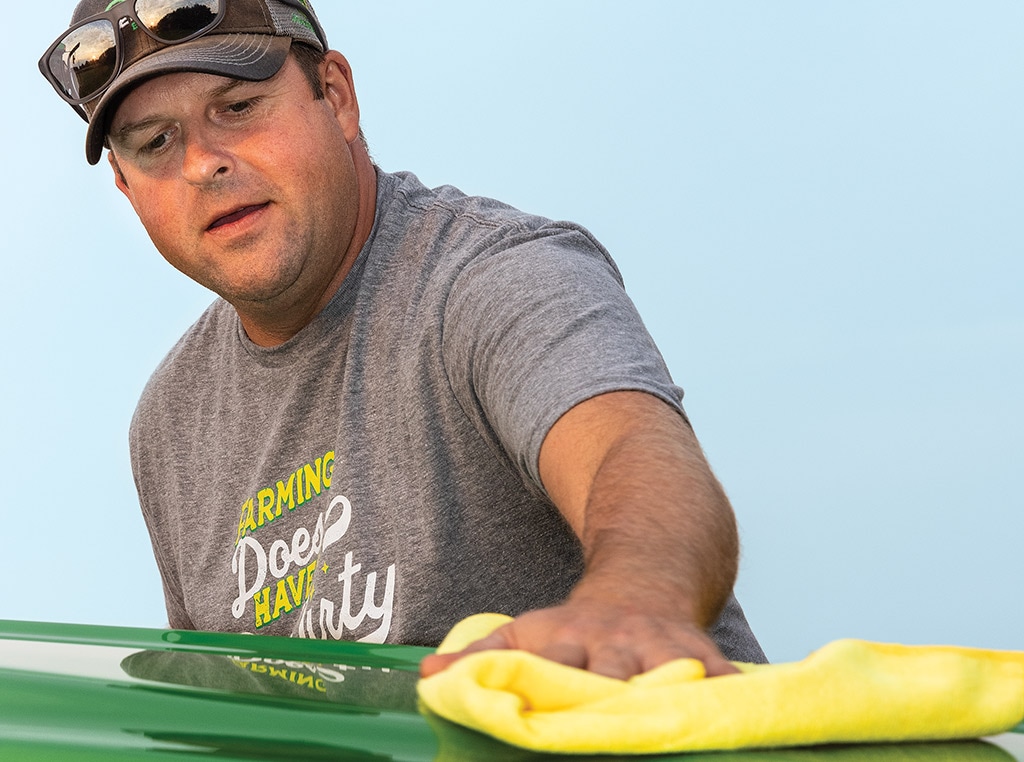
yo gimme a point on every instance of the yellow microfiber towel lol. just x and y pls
(849, 691)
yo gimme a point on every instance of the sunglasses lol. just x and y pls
(83, 62)
(89, 56)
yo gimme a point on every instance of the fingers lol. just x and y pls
(618, 653)
(625, 661)
(569, 654)
(615, 662)
(435, 663)
(497, 640)
(719, 666)
(694, 644)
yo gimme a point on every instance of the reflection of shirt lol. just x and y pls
(353, 686)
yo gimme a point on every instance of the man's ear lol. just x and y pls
(340, 93)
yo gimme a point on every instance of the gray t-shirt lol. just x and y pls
(375, 477)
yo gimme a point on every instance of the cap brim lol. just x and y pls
(253, 57)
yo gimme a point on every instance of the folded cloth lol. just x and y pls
(459, 744)
(849, 691)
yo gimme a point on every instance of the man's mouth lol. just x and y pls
(236, 215)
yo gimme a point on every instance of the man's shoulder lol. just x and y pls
(467, 227)
(195, 353)
(416, 199)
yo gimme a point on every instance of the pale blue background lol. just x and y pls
(816, 206)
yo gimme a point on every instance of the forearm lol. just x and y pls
(657, 530)
(628, 474)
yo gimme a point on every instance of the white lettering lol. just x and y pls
(280, 559)
(300, 544)
(331, 527)
(336, 530)
(336, 626)
(238, 567)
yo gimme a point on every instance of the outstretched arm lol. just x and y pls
(659, 540)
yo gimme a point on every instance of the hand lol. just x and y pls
(608, 640)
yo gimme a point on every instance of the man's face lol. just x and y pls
(249, 188)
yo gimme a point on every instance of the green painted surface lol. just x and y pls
(82, 693)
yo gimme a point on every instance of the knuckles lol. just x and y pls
(614, 644)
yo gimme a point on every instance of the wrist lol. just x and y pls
(633, 596)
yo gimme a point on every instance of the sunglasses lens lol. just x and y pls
(84, 61)
(176, 20)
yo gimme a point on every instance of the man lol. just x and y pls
(408, 405)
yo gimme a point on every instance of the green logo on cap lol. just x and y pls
(298, 18)
(115, 2)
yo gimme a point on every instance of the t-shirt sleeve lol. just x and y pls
(537, 325)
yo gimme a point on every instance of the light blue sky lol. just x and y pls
(816, 206)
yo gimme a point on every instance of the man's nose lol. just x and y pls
(205, 160)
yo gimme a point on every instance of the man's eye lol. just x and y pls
(157, 143)
(242, 107)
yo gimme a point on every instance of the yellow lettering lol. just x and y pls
(261, 602)
(310, 573)
(266, 513)
(321, 686)
(306, 681)
(328, 469)
(286, 494)
(282, 603)
(313, 480)
(295, 585)
(270, 502)
(246, 522)
(279, 673)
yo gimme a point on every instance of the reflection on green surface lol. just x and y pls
(356, 689)
(242, 747)
(207, 696)
(200, 697)
(83, 714)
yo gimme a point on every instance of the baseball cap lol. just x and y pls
(251, 42)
